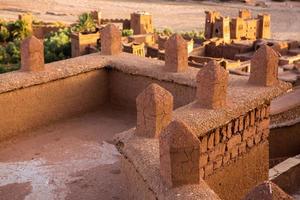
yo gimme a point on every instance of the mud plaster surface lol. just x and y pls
(285, 110)
(124, 62)
(241, 98)
(143, 153)
(72, 159)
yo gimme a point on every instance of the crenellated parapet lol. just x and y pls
(221, 137)
(32, 54)
(110, 40)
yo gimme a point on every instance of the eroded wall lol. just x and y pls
(39, 105)
(235, 180)
(237, 154)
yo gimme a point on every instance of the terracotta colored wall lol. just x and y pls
(136, 187)
(124, 89)
(289, 179)
(235, 157)
(284, 142)
(236, 179)
(39, 105)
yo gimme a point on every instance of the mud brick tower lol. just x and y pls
(141, 23)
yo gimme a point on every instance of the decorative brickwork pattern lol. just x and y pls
(32, 54)
(179, 155)
(227, 143)
(154, 111)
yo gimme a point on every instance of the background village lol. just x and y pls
(230, 41)
(207, 121)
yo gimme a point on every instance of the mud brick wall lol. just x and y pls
(39, 105)
(284, 142)
(124, 88)
(225, 51)
(232, 145)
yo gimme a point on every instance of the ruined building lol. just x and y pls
(241, 27)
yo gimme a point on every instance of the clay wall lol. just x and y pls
(79, 42)
(286, 175)
(136, 187)
(241, 27)
(227, 51)
(141, 23)
(124, 88)
(229, 161)
(40, 31)
(284, 142)
(237, 28)
(39, 105)
(251, 29)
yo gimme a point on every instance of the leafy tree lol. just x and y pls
(86, 24)
(127, 32)
(13, 50)
(19, 30)
(4, 57)
(58, 45)
(4, 33)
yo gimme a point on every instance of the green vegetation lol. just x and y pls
(19, 30)
(11, 33)
(57, 45)
(164, 32)
(127, 32)
(194, 35)
(4, 34)
(85, 24)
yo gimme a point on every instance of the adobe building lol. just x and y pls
(97, 17)
(242, 27)
(217, 137)
(80, 42)
(134, 48)
(141, 23)
(180, 132)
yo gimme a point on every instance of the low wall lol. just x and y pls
(229, 160)
(284, 141)
(136, 187)
(286, 175)
(124, 88)
(234, 181)
(38, 105)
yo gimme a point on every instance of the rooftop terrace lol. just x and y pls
(58, 123)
